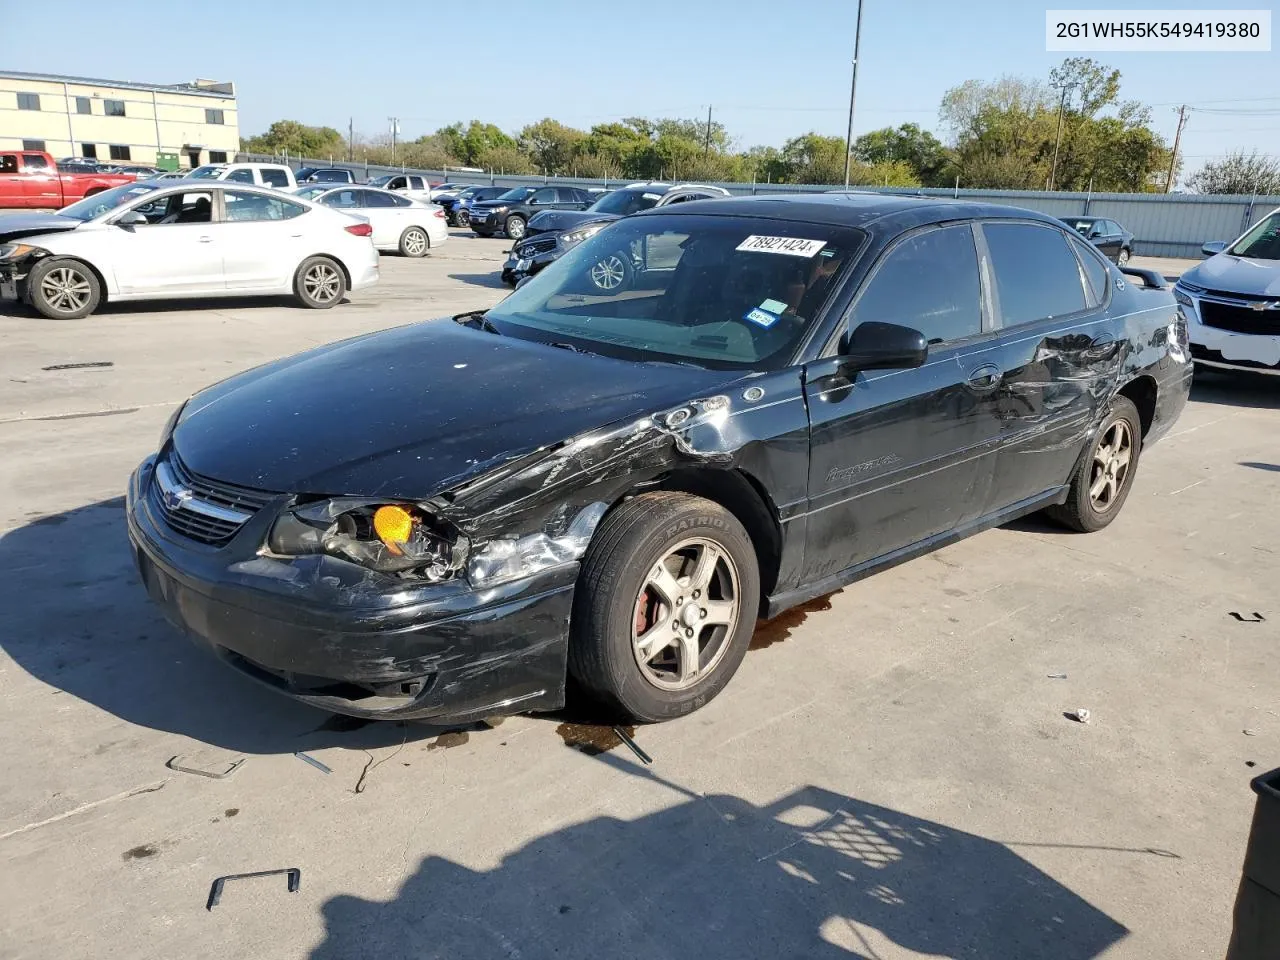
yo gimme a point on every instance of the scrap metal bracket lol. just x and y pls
(215, 892)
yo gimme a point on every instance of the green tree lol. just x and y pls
(918, 149)
(814, 158)
(503, 158)
(1238, 173)
(551, 146)
(298, 139)
(476, 140)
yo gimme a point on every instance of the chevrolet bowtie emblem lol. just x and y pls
(1260, 305)
(173, 499)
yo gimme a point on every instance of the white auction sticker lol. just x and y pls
(791, 246)
(1151, 31)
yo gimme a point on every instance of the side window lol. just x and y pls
(34, 161)
(275, 178)
(240, 176)
(244, 206)
(1094, 270)
(344, 199)
(399, 201)
(8, 163)
(543, 195)
(189, 208)
(415, 183)
(375, 198)
(930, 283)
(396, 183)
(1036, 273)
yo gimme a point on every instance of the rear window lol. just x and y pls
(717, 292)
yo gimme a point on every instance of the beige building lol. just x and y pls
(174, 126)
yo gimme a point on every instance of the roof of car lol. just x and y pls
(847, 209)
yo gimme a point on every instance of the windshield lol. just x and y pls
(625, 202)
(209, 171)
(719, 292)
(380, 181)
(100, 203)
(1263, 241)
(518, 193)
(313, 191)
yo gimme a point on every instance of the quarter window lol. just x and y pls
(1036, 273)
(113, 108)
(930, 283)
(1094, 270)
(28, 101)
(243, 206)
(84, 105)
(119, 152)
(373, 198)
(240, 176)
(275, 178)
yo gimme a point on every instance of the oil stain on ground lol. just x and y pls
(140, 852)
(591, 739)
(779, 628)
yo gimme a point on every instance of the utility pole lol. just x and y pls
(351, 138)
(1062, 106)
(1177, 139)
(395, 128)
(706, 149)
(853, 90)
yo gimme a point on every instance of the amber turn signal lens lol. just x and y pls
(394, 526)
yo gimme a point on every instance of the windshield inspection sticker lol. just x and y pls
(761, 318)
(792, 246)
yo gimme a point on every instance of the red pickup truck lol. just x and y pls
(31, 179)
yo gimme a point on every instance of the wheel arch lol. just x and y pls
(342, 265)
(1143, 392)
(97, 271)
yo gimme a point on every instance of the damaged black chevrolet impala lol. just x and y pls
(448, 520)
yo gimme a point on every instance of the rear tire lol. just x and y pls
(640, 651)
(63, 289)
(515, 228)
(414, 242)
(1104, 478)
(319, 283)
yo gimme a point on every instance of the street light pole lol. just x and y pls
(853, 90)
(1053, 172)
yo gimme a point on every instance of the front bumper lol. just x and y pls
(518, 267)
(1234, 349)
(342, 638)
(486, 224)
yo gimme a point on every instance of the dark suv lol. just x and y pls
(457, 208)
(510, 212)
(553, 232)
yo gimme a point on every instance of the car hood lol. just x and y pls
(491, 204)
(1232, 274)
(411, 412)
(31, 224)
(560, 220)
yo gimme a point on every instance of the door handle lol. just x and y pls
(984, 378)
(1102, 347)
(206, 239)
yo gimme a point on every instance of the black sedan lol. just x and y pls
(510, 212)
(1115, 242)
(446, 520)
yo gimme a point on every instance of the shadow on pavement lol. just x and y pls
(13, 309)
(814, 875)
(75, 615)
(1236, 389)
(490, 280)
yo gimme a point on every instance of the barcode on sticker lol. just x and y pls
(791, 246)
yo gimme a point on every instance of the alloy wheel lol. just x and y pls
(415, 243)
(515, 228)
(66, 289)
(322, 283)
(685, 614)
(1111, 459)
(609, 273)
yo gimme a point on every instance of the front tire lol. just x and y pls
(665, 606)
(1104, 478)
(319, 283)
(63, 289)
(414, 242)
(515, 228)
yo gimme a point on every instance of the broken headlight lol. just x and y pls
(563, 540)
(574, 237)
(16, 251)
(393, 538)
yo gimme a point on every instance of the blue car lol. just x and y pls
(457, 208)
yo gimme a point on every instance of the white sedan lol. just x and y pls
(156, 239)
(409, 226)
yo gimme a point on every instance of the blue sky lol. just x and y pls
(770, 70)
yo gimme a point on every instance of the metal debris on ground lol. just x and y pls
(1057, 676)
(1250, 733)
(1256, 618)
(215, 892)
(80, 366)
(173, 764)
(1079, 715)
(632, 745)
(313, 761)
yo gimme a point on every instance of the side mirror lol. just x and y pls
(132, 219)
(882, 346)
(1094, 234)
(1213, 248)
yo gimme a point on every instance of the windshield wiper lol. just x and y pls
(480, 319)
(565, 346)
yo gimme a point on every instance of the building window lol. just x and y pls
(84, 105)
(119, 152)
(213, 116)
(217, 156)
(28, 101)
(33, 145)
(89, 150)
(113, 108)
